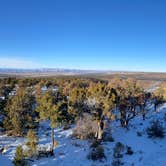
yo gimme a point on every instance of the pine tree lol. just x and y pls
(32, 141)
(20, 112)
(104, 98)
(49, 108)
(77, 101)
(19, 159)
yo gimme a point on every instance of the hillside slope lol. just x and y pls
(147, 151)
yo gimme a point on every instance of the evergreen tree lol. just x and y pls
(105, 99)
(49, 108)
(32, 141)
(77, 98)
(19, 159)
(20, 112)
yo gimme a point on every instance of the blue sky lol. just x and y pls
(83, 34)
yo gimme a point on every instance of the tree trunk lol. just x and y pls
(124, 123)
(155, 107)
(53, 141)
(100, 130)
(143, 111)
(143, 115)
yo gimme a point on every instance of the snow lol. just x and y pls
(12, 93)
(4, 161)
(73, 152)
(55, 88)
(2, 97)
(154, 87)
(10, 144)
(69, 151)
(44, 88)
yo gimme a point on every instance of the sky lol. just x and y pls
(83, 34)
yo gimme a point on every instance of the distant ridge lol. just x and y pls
(48, 71)
(68, 71)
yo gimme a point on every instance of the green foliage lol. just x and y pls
(32, 142)
(118, 150)
(77, 98)
(129, 150)
(19, 159)
(4, 91)
(114, 99)
(161, 92)
(95, 143)
(46, 108)
(96, 153)
(52, 106)
(20, 112)
(155, 130)
(130, 95)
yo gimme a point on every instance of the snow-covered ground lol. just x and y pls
(147, 151)
(4, 161)
(73, 152)
(153, 87)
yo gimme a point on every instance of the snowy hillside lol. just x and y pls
(147, 151)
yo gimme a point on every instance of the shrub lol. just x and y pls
(129, 150)
(66, 127)
(95, 144)
(19, 159)
(107, 137)
(44, 152)
(96, 153)
(118, 150)
(86, 127)
(139, 134)
(155, 130)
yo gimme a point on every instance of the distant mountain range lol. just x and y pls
(67, 72)
(49, 71)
